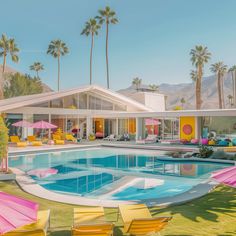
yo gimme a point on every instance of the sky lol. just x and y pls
(152, 40)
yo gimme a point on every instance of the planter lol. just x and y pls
(8, 176)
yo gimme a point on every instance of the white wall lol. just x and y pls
(155, 101)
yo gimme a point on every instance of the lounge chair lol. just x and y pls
(38, 228)
(57, 139)
(31, 138)
(110, 137)
(36, 143)
(138, 220)
(16, 139)
(70, 137)
(151, 138)
(90, 221)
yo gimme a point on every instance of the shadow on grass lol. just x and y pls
(209, 207)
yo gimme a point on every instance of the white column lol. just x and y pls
(117, 123)
(139, 128)
(49, 120)
(27, 131)
(89, 127)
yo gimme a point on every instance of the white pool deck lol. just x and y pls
(31, 187)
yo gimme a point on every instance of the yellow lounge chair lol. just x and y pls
(229, 149)
(15, 139)
(59, 142)
(36, 143)
(90, 221)
(38, 228)
(21, 144)
(31, 138)
(57, 139)
(70, 137)
(138, 220)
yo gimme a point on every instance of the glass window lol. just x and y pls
(123, 126)
(83, 101)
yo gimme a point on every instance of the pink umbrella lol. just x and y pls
(22, 123)
(150, 121)
(226, 176)
(43, 125)
(16, 212)
(43, 173)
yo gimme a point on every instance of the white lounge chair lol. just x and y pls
(110, 137)
(151, 138)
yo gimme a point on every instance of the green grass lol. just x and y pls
(213, 214)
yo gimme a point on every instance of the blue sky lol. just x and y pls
(152, 40)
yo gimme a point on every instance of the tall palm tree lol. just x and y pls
(7, 46)
(57, 48)
(220, 70)
(199, 57)
(232, 71)
(91, 28)
(154, 87)
(137, 82)
(108, 17)
(37, 67)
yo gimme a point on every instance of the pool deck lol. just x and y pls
(99, 143)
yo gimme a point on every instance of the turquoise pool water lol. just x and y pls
(114, 173)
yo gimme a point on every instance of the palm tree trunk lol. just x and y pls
(234, 101)
(2, 76)
(219, 91)
(1, 85)
(107, 63)
(222, 92)
(4, 63)
(37, 74)
(91, 58)
(199, 88)
(58, 73)
(233, 86)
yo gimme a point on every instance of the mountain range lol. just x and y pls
(174, 93)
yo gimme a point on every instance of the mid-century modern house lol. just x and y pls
(93, 109)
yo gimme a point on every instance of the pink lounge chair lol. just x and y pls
(204, 141)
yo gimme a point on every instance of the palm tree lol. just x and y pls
(7, 46)
(91, 28)
(232, 71)
(137, 82)
(154, 87)
(57, 48)
(220, 70)
(108, 17)
(182, 101)
(37, 67)
(230, 97)
(199, 57)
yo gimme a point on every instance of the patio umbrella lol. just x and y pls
(43, 173)
(22, 123)
(16, 212)
(226, 176)
(43, 125)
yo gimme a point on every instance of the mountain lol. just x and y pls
(10, 70)
(175, 92)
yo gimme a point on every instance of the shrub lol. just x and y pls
(205, 151)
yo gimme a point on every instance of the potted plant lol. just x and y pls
(4, 172)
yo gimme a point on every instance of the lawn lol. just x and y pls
(213, 214)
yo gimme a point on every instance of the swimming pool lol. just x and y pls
(114, 174)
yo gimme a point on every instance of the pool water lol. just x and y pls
(114, 173)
